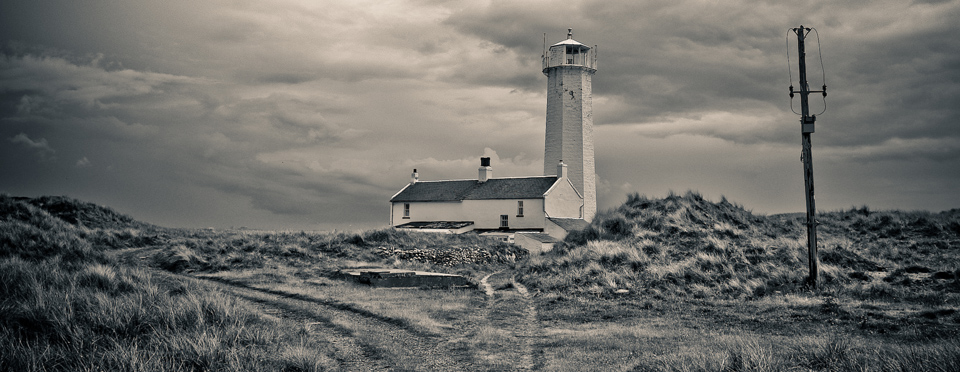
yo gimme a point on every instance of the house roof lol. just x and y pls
(540, 237)
(459, 190)
(435, 225)
(570, 224)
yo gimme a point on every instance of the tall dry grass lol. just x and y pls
(684, 245)
(97, 316)
(67, 306)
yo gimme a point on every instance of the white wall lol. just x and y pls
(569, 130)
(484, 213)
(429, 211)
(563, 201)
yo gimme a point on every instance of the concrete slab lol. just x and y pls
(398, 278)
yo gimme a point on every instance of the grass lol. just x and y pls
(685, 246)
(711, 286)
(98, 316)
(732, 336)
(885, 273)
(66, 305)
(426, 311)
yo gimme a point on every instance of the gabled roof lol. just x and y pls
(459, 190)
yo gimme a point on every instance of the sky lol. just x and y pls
(310, 115)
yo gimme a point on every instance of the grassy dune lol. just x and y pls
(66, 306)
(733, 285)
(685, 246)
(677, 284)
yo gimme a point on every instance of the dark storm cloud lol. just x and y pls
(92, 113)
(656, 58)
(667, 63)
(904, 86)
(287, 113)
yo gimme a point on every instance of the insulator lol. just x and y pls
(791, 91)
(824, 90)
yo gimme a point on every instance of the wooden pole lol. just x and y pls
(807, 127)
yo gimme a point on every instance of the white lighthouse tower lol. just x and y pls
(569, 66)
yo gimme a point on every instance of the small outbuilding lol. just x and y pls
(536, 243)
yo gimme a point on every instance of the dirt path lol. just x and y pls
(350, 353)
(511, 309)
(360, 340)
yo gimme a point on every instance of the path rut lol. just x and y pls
(513, 309)
(361, 340)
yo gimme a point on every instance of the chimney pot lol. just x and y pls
(414, 177)
(485, 171)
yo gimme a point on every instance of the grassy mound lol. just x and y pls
(688, 246)
(65, 305)
(81, 213)
(30, 233)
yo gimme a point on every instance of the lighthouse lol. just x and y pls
(569, 66)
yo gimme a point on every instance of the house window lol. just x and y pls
(406, 210)
(520, 208)
(504, 221)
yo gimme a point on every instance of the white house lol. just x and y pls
(497, 206)
(552, 204)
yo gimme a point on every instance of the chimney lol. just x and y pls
(486, 172)
(561, 170)
(414, 177)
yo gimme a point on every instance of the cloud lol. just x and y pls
(746, 127)
(197, 130)
(41, 146)
(83, 163)
(939, 150)
(303, 112)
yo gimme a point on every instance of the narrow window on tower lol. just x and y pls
(406, 210)
(519, 208)
(504, 221)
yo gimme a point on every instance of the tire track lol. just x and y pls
(333, 305)
(530, 329)
(514, 310)
(360, 340)
(384, 343)
(350, 354)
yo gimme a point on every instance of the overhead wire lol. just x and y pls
(823, 74)
(789, 71)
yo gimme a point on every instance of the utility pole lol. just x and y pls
(806, 128)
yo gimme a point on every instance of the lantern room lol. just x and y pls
(569, 53)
